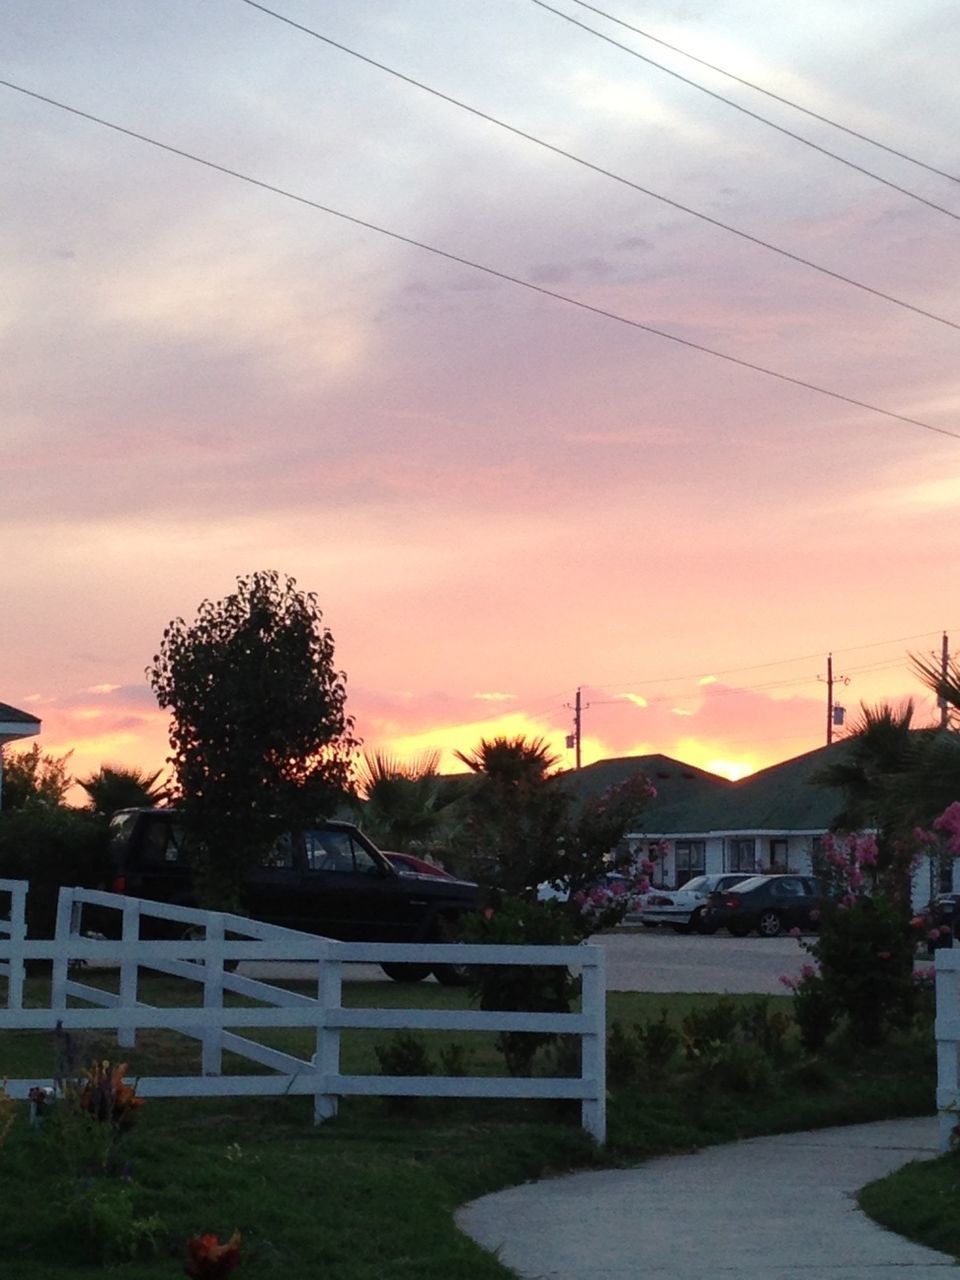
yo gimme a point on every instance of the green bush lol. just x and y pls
(52, 847)
(102, 1220)
(658, 1041)
(515, 988)
(865, 950)
(704, 1031)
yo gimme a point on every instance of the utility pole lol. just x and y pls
(573, 739)
(835, 714)
(944, 669)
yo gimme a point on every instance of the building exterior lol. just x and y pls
(774, 820)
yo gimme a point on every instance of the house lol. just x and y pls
(773, 820)
(14, 724)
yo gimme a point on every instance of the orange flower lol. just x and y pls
(209, 1259)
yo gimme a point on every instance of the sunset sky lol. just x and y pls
(497, 496)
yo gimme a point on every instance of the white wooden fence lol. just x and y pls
(947, 1031)
(201, 960)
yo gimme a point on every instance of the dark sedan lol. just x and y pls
(769, 904)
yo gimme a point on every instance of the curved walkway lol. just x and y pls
(776, 1208)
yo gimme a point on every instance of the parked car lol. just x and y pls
(683, 908)
(408, 864)
(328, 879)
(769, 904)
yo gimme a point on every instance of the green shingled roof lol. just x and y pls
(691, 801)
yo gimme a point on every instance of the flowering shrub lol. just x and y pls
(208, 1259)
(606, 903)
(868, 937)
(813, 1010)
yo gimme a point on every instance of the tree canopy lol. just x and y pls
(259, 734)
(34, 777)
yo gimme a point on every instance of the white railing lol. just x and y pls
(947, 1031)
(202, 961)
(13, 931)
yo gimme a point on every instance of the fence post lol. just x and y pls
(18, 933)
(326, 1059)
(212, 1061)
(593, 1056)
(129, 969)
(948, 1046)
(68, 919)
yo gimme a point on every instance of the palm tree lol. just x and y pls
(881, 748)
(115, 787)
(404, 805)
(510, 761)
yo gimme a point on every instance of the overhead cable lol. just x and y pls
(607, 173)
(797, 137)
(477, 266)
(768, 93)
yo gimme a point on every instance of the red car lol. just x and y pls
(410, 865)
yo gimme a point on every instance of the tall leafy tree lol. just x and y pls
(260, 738)
(114, 787)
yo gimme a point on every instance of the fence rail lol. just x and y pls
(947, 1032)
(202, 960)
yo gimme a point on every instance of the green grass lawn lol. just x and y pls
(371, 1195)
(921, 1201)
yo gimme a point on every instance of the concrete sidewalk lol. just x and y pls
(777, 1208)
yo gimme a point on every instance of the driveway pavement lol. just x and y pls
(778, 1208)
(649, 960)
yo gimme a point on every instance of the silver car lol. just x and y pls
(683, 908)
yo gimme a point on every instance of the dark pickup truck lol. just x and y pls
(328, 879)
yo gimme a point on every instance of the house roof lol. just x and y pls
(16, 724)
(684, 792)
(693, 802)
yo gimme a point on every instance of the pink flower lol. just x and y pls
(794, 932)
(790, 983)
(933, 934)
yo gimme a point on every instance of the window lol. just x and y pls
(279, 857)
(742, 853)
(689, 860)
(336, 851)
(162, 843)
(779, 855)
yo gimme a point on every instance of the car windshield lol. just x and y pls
(697, 885)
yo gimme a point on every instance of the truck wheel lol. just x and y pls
(405, 972)
(450, 975)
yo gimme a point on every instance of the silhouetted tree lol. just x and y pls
(261, 742)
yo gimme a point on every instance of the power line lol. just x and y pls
(476, 266)
(797, 137)
(762, 666)
(777, 97)
(596, 168)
